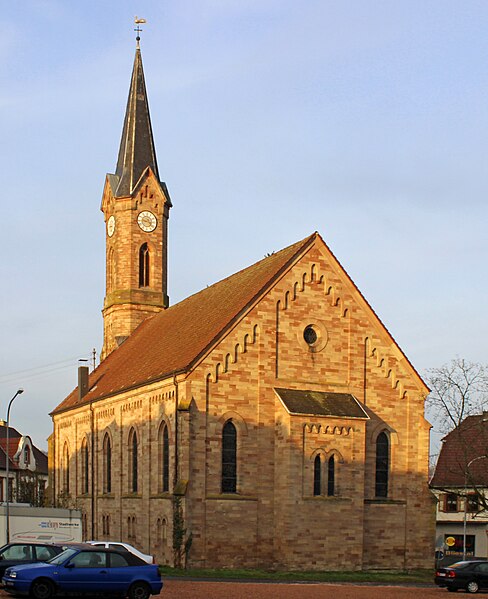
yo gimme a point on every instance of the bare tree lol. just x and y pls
(458, 389)
(457, 404)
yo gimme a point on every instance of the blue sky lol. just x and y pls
(366, 121)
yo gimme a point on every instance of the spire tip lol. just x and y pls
(138, 30)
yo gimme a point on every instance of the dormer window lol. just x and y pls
(27, 455)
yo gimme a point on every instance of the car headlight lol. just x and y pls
(12, 574)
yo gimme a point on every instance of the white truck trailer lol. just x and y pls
(40, 524)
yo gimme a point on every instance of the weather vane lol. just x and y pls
(138, 30)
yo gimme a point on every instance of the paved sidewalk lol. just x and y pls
(188, 589)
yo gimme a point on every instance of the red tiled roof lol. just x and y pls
(13, 446)
(174, 339)
(460, 452)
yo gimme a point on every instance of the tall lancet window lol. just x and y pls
(84, 467)
(133, 472)
(65, 477)
(107, 464)
(331, 476)
(382, 465)
(317, 476)
(144, 266)
(229, 458)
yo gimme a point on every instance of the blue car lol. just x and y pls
(85, 569)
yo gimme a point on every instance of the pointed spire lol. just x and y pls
(137, 150)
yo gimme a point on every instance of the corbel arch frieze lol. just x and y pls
(231, 356)
(314, 276)
(388, 372)
(327, 429)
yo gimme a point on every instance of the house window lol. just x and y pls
(450, 502)
(473, 502)
(133, 461)
(27, 455)
(317, 476)
(84, 467)
(144, 266)
(229, 458)
(331, 476)
(107, 464)
(382, 465)
(164, 458)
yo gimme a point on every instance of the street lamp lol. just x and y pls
(19, 391)
(480, 457)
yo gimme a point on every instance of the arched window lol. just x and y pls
(65, 469)
(317, 476)
(107, 464)
(229, 458)
(27, 454)
(133, 461)
(84, 525)
(164, 457)
(331, 476)
(164, 531)
(84, 467)
(144, 266)
(111, 270)
(382, 465)
(161, 531)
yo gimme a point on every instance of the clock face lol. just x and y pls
(111, 226)
(147, 221)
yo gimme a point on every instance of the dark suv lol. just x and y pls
(14, 554)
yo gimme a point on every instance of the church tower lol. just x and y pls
(135, 205)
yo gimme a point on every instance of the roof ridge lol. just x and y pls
(299, 245)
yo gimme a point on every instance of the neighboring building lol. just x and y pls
(271, 416)
(460, 483)
(28, 471)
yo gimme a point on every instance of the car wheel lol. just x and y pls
(42, 589)
(472, 586)
(139, 590)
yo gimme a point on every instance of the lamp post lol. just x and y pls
(480, 457)
(19, 391)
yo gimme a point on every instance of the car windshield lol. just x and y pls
(63, 556)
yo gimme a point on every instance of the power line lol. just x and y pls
(40, 370)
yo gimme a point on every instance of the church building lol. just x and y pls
(270, 420)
